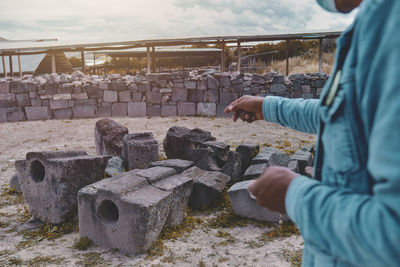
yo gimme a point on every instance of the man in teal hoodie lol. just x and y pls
(349, 214)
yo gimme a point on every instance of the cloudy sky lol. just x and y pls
(147, 19)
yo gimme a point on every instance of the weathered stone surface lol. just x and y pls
(119, 110)
(128, 212)
(244, 205)
(139, 150)
(254, 171)
(62, 114)
(191, 84)
(58, 104)
(109, 137)
(179, 165)
(207, 109)
(115, 166)
(220, 111)
(277, 88)
(180, 142)
(155, 174)
(137, 109)
(272, 156)
(179, 94)
(110, 96)
(79, 96)
(50, 181)
(247, 151)
(154, 111)
(15, 114)
(226, 98)
(220, 150)
(211, 96)
(212, 83)
(153, 97)
(205, 159)
(233, 166)
(103, 112)
(23, 86)
(4, 87)
(186, 109)
(258, 79)
(168, 111)
(3, 115)
(207, 186)
(37, 113)
(14, 183)
(85, 112)
(124, 96)
(62, 97)
(195, 96)
(300, 160)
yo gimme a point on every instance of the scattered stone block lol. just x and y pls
(248, 152)
(137, 109)
(115, 166)
(181, 142)
(205, 159)
(220, 150)
(50, 181)
(109, 137)
(139, 150)
(37, 113)
(300, 160)
(179, 165)
(254, 171)
(233, 166)
(272, 156)
(128, 212)
(155, 174)
(244, 205)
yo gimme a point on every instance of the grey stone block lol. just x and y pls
(202, 84)
(115, 166)
(207, 186)
(14, 183)
(179, 165)
(119, 110)
(212, 83)
(7, 97)
(144, 87)
(154, 111)
(117, 85)
(139, 150)
(23, 86)
(244, 205)
(50, 88)
(62, 114)
(306, 89)
(277, 88)
(155, 174)
(278, 79)
(3, 115)
(195, 96)
(153, 97)
(50, 181)
(272, 156)
(225, 82)
(248, 152)
(254, 171)
(4, 87)
(58, 104)
(211, 96)
(233, 166)
(85, 112)
(191, 84)
(15, 114)
(137, 97)
(220, 149)
(79, 96)
(110, 96)
(307, 96)
(186, 109)
(226, 98)
(37, 113)
(220, 111)
(168, 111)
(179, 94)
(124, 96)
(137, 109)
(109, 137)
(180, 142)
(124, 213)
(104, 112)
(207, 109)
(205, 159)
(258, 79)
(318, 83)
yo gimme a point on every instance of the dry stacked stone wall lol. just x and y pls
(179, 93)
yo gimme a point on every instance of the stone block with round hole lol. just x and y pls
(128, 211)
(50, 181)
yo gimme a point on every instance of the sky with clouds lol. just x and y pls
(114, 20)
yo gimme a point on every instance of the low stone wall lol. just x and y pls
(163, 94)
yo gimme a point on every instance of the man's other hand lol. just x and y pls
(271, 187)
(247, 108)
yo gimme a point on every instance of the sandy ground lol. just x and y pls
(204, 246)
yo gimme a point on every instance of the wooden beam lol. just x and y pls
(53, 63)
(129, 59)
(19, 66)
(94, 60)
(239, 50)
(320, 54)
(4, 67)
(153, 55)
(83, 65)
(223, 57)
(148, 60)
(287, 57)
(11, 65)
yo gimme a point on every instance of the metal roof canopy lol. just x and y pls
(169, 42)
